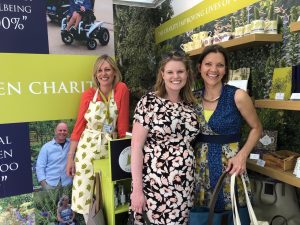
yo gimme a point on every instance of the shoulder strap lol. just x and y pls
(98, 194)
(95, 96)
(214, 198)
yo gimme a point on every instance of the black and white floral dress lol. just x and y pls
(168, 167)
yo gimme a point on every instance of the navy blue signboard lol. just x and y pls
(15, 163)
(23, 26)
(120, 155)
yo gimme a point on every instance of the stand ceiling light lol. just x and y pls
(139, 3)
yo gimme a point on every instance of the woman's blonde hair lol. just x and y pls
(112, 63)
(186, 93)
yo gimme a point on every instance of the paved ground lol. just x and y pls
(104, 12)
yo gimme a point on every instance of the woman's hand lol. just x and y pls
(237, 164)
(70, 168)
(138, 201)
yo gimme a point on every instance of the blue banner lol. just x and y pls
(23, 26)
(15, 163)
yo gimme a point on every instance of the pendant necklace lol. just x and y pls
(212, 100)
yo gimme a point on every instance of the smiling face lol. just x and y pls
(174, 76)
(105, 74)
(61, 132)
(212, 68)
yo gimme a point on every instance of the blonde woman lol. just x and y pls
(103, 111)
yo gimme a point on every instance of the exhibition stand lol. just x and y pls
(115, 175)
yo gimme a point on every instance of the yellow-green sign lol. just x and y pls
(202, 13)
(42, 87)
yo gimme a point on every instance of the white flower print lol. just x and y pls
(173, 176)
(174, 214)
(177, 162)
(151, 204)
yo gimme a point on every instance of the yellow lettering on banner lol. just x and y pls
(202, 13)
(49, 88)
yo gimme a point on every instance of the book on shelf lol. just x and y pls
(281, 84)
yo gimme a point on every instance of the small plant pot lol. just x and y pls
(271, 27)
(239, 32)
(247, 29)
(258, 27)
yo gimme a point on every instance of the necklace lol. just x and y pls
(211, 100)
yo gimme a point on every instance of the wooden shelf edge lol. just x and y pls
(249, 40)
(284, 176)
(277, 104)
(295, 26)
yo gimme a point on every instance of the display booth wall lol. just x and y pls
(173, 33)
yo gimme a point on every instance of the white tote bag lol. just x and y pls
(236, 217)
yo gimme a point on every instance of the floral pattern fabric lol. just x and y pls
(92, 145)
(168, 166)
(212, 159)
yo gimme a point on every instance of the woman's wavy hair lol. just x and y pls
(186, 93)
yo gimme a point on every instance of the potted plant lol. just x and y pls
(232, 21)
(257, 25)
(245, 21)
(271, 23)
(239, 31)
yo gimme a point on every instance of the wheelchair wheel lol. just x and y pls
(103, 36)
(91, 44)
(52, 18)
(67, 38)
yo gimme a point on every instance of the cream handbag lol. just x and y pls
(235, 212)
(270, 198)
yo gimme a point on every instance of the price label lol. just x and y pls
(295, 96)
(254, 156)
(261, 162)
(279, 96)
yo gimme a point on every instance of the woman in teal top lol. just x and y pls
(220, 110)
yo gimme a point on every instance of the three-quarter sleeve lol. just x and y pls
(122, 99)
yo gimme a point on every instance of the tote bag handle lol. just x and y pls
(236, 217)
(97, 186)
(213, 200)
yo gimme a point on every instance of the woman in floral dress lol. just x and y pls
(162, 159)
(221, 109)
